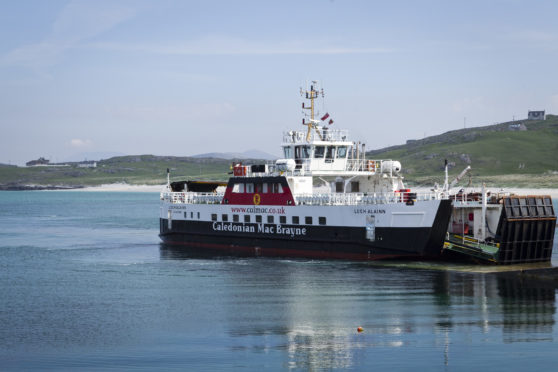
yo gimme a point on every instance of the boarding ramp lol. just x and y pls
(526, 229)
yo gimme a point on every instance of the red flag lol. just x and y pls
(330, 121)
(325, 117)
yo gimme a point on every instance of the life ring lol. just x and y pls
(257, 199)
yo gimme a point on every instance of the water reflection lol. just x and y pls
(309, 310)
(529, 309)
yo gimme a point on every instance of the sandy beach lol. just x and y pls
(124, 187)
(552, 192)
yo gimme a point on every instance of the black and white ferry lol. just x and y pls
(324, 199)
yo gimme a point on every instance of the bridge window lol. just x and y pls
(319, 152)
(225, 217)
(302, 152)
(238, 188)
(269, 219)
(322, 220)
(287, 150)
(330, 152)
(235, 218)
(342, 152)
(264, 188)
(295, 220)
(308, 220)
(250, 188)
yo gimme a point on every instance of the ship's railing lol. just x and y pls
(192, 197)
(309, 199)
(471, 241)
(297, 136)
(362, 198)
(307, 166)
(364, 165)
(475, 197)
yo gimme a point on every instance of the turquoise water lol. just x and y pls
(84, 283)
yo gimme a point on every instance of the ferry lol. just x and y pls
(322, 199)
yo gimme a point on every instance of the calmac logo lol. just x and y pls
(257, 199)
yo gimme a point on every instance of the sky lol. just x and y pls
(188, 77)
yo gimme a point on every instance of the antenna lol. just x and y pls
(311, 95)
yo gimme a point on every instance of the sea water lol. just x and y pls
(85, 284)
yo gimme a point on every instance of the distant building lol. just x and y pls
(87, 164)
(517, 127)
(535, 115)
(39, 161)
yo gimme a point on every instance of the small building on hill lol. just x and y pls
(517, 127)
(39, 161)
(535, 115)
(87, 164)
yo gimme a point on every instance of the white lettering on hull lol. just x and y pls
(261, 229)
(220, 226)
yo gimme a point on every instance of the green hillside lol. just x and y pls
(496, 153)
(140, 170)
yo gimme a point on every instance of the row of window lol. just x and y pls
(316, 152)
(191, 215)
(251, 188)
(295, 220)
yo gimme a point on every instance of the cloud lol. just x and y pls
(538, 39)
(222, 45)
(79, 143)
(76, 22)
(534, 36)
(170, 112)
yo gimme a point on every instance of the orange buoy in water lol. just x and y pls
(359, 329)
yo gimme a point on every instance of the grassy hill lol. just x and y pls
(496, 153)
(142, 169)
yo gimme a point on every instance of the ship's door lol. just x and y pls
(371, 228)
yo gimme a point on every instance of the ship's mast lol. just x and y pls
(311, 95)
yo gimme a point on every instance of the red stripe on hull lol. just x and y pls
(282, 252)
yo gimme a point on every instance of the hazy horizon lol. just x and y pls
(182, 78)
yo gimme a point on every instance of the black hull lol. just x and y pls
(327, 242)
